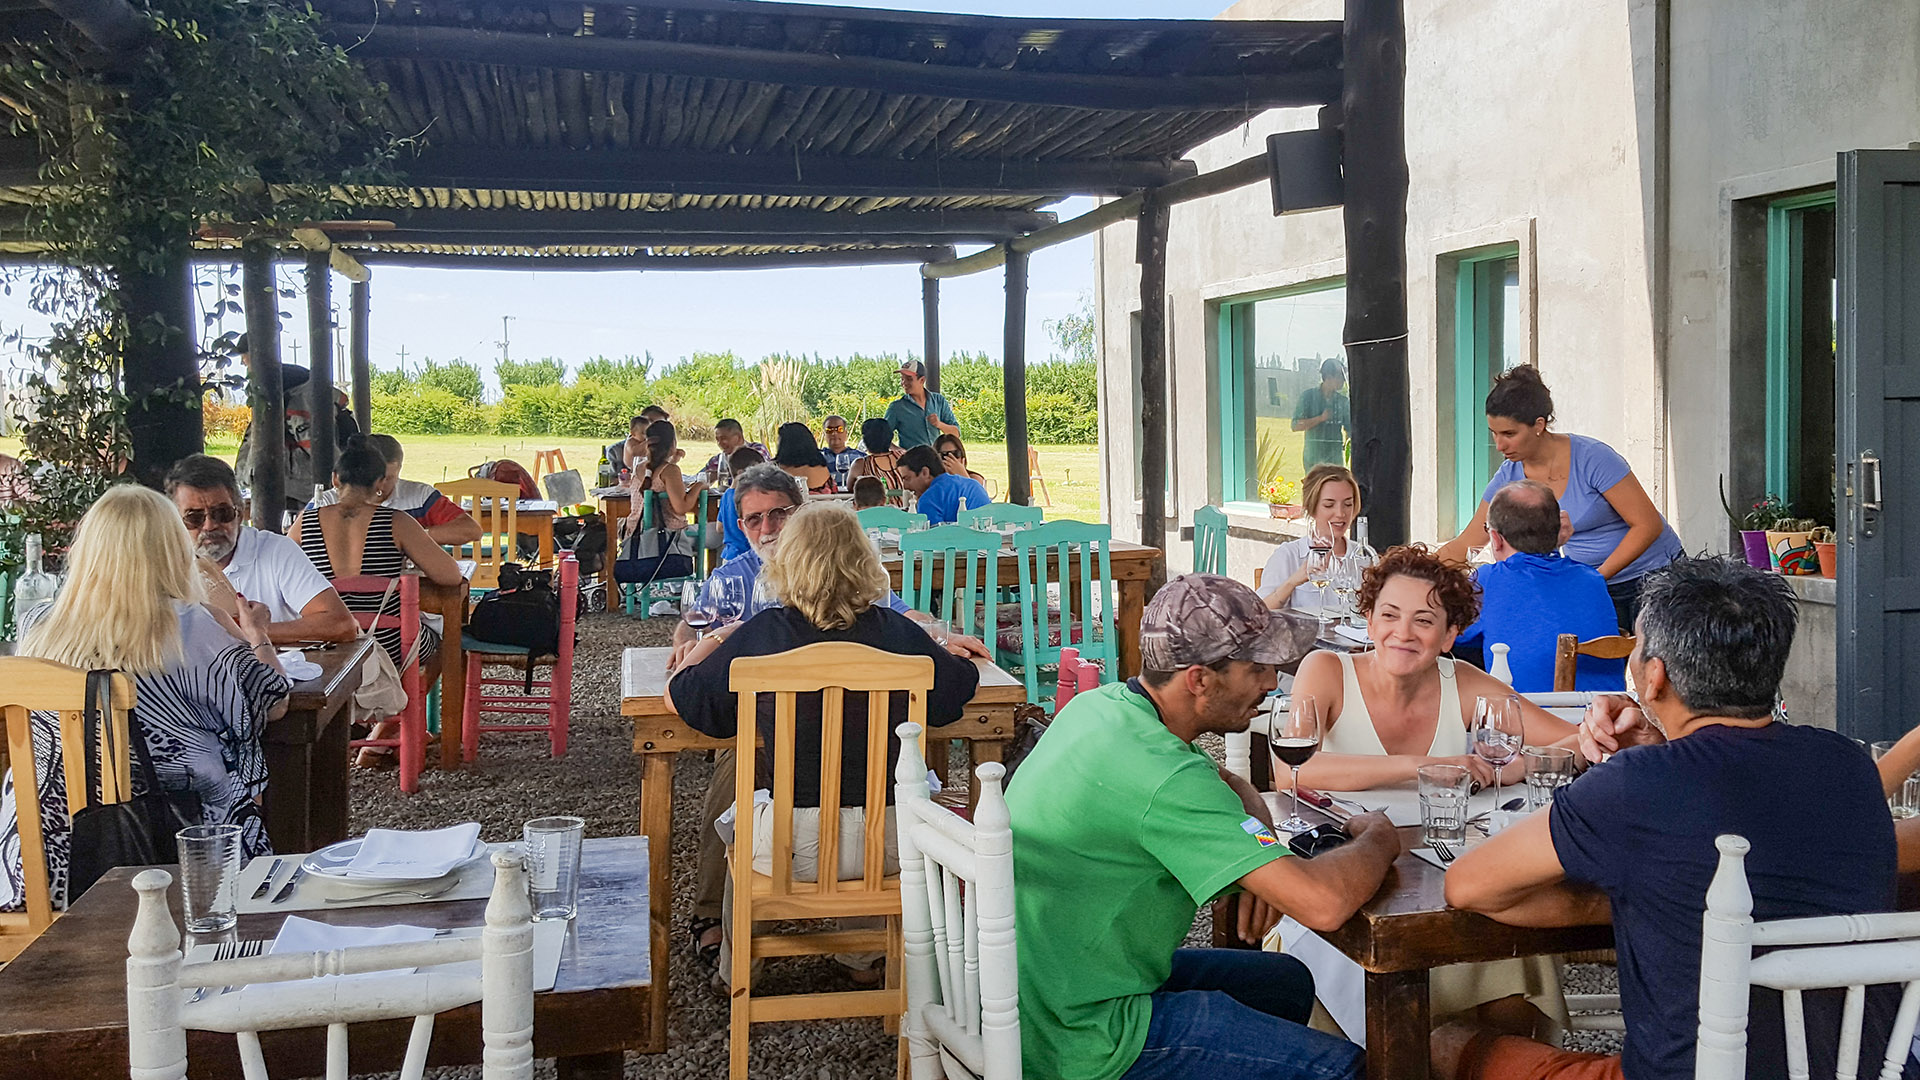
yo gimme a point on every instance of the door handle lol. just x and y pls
(1870, 494)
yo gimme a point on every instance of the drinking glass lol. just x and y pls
(1907, 803)
(729, 598)
(1497, 735)
(939, 630)
(1443, 803)
(553, 865)
(1548, 769)
(697, 612)
(1346, 582)
(1320, 563)
(209, 874)
(1295, 736)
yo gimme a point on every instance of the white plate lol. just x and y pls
(331, 862)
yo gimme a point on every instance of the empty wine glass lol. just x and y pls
(728, 595)
(1497, 735)
(1295, 736)
(1346, 582)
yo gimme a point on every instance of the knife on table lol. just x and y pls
(266, 883)
(287, 889)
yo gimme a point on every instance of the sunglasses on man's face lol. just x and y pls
(225, 514)
(834, 429)
(949, 453)
(768, 517)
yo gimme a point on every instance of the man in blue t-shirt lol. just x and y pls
(1633, 838)
(1531, 594)
(937, 493)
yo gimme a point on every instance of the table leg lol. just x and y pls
(329, 787)
(656, 824)
(543, 528)
(1398, 1025)
(453, 682)
(1133, 603)
(290, 795)
(607, 1066)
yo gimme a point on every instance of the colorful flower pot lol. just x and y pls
(1829, 556)
(1284, 511)
(1754, 542)
(1792, 553)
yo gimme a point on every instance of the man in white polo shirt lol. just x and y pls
(264, 567)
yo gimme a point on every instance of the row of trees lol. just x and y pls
(538, 398)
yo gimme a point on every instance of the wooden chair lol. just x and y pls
(1566, 658)
(33, 685)
(956, 918)
(953, 573)
(549, 461)
(1070, 556)
(642, 594)
(411, 743)
(496, 507)
(159, 1014)
(551, 697)
(1821, 952)
(1033, 474)
(1210, 542)
(833, 670)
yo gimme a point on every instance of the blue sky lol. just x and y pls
(448, 314)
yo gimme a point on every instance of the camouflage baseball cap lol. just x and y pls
(1206, 618)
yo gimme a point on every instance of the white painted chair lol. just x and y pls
(956, 900)
(1822, 952)
(159, 1014)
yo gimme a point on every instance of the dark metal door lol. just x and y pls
(1878, 432)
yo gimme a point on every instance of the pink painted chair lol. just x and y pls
(551, 697)
(411, 742)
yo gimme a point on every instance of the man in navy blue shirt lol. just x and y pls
(1531, 594)
(938, 493)
(1633, 838)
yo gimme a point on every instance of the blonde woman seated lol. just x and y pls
(1387, 712)
(1332, 500)
(833, 588)
(206, 685)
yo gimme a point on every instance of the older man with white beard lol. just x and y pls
(264, 567)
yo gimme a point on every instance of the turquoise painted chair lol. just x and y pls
(952, 573)
(1209, 540)
(643, 595)
(891, 518)
(1067, 559)
(1002, 513)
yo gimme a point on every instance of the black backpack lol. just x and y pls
(524, 611)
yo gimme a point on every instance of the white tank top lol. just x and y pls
(1353, 732)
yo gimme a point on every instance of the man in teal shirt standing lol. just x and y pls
(1122, 828)
(1326, 415)
(919, 415)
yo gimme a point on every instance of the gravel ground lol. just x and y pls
(599, 780)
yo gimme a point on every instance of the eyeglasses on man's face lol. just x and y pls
(777, 516)
(224, 514)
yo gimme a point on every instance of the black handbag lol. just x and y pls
(137, 832)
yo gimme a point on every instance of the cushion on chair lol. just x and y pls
(508, 653)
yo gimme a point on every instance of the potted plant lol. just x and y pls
(1790, 550)
(1753, 525)
(1827, 549)
(1279, 494)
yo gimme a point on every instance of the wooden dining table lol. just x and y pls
(535, 517)
(63, 1001)
(306, 751)
(659, 735)
(1132, 565)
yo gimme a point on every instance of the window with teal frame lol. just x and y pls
(1487, 339)
(1272, 352)
(1800, 346)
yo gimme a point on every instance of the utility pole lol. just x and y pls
(294, 348)
(403, 358)
(503, 342)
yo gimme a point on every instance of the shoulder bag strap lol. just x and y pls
(100, 688)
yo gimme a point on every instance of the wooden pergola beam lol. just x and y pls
(775, 261)
(1316, 85)
(111, 24)
(999, 224)
(556, 238)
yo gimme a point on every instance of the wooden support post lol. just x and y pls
(930, 319)
(161, 373)
(320, 387)
(266, 392)
(1014, 381)
(1374, 106)
(362, 303)
(1151, 253)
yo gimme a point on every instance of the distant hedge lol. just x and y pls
(536, 399)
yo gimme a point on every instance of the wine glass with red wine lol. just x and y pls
(1295, 737)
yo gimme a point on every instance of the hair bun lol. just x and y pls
(1521, 373)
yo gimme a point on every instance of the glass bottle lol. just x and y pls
(35, 585)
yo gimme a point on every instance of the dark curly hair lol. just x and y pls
(1521, 394)
(1459, 597)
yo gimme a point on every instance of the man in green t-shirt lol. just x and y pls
(1326, 415)
(1122, 828)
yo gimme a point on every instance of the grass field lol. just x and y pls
(1072, 472)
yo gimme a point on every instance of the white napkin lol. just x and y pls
(298, 935)
(1355, 634)
(398, 853)
(298, 667)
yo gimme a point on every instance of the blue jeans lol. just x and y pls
(1236, 1014)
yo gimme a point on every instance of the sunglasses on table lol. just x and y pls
(768, 517)
(219, 515)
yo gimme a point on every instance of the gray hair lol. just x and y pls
(771, 479)
(1723, 629)
(203, 472)
(1527, 513)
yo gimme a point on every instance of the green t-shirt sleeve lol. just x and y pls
(1309, 406)
(1197, 828)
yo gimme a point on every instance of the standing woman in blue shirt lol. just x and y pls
(1615, 528)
